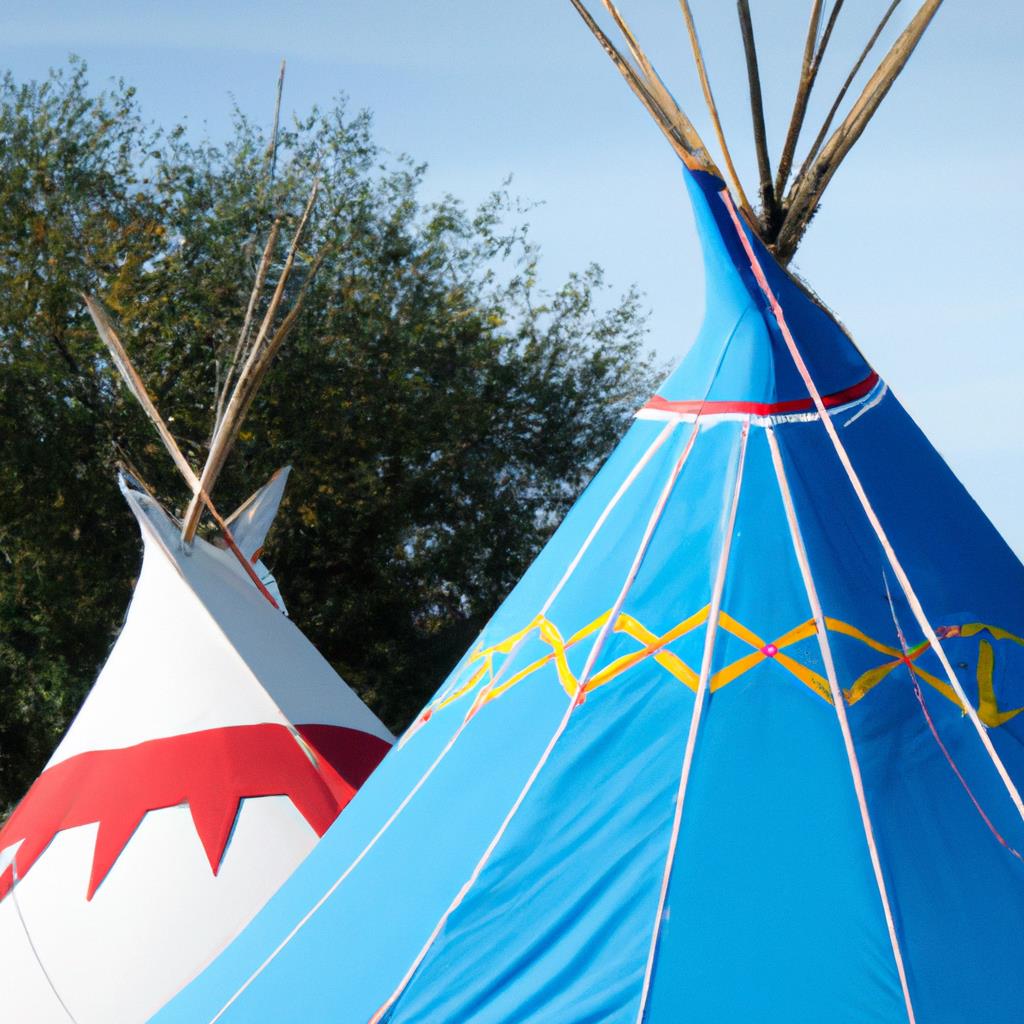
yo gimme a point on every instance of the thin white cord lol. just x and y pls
(304, 920)
(12, 894)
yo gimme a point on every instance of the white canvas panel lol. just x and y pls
(153, 924)
(202, 648)
(251, 521)
(171, 671)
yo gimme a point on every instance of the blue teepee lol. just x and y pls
(743, 745)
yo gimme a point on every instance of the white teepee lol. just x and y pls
(214, 748)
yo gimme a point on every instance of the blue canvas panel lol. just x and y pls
(937, 803)
(432, 845)
(772, 896)
(757, 367)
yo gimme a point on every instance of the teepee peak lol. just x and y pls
(739, 362)
(214, 748)
(790, 192)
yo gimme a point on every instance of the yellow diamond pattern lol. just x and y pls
(480, 666)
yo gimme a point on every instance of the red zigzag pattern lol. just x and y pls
(212, 771)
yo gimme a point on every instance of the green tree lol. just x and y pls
(441, 409)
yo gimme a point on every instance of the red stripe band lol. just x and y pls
(850, 394)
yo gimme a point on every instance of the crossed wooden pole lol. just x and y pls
(253, 354)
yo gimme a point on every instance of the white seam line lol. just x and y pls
(868, 405)
(840, 706)
(304, 920)
(595, 651)
(695, 719)
(31, 945)
(876, 525)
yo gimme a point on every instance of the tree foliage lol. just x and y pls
(441, 409)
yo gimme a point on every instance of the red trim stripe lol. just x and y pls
(850, 394)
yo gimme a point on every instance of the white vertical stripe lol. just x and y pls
(695, 718)
(876, 525)
(840, 706)
(595, 529)
(626, 484)
(574, 701)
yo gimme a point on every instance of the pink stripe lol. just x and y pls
(938, 739)
(956, 771)
(556, 736)
(869, 511)
(840, 706)
(695, 719)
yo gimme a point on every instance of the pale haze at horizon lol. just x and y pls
(915, 247)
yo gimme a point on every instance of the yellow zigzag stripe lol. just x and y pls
(652, 645)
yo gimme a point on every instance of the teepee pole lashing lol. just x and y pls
(135, 384)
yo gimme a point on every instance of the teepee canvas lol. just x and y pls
(213, 750)
(744, 744)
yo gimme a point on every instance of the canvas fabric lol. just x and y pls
(564, 836)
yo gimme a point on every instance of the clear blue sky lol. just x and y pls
(915, 248)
